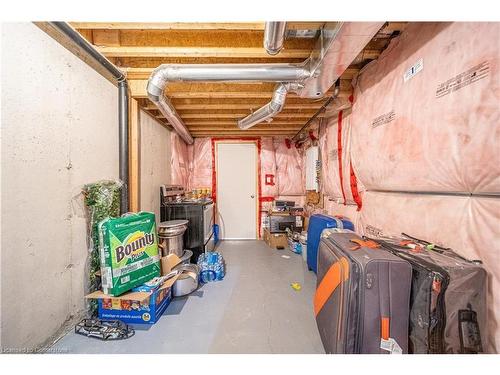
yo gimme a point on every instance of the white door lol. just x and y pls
(237, 190)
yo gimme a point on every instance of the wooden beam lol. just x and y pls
(134, 157)
(222, 106)
(242, 133)
(219, 90)
(170, 25)
(221, 52)
(153, 62)
(106, 38)
(258, 102)
(368, 54)
(141, 93)
(236, 116)
(234, 128)
(144, 73)
(233, 123)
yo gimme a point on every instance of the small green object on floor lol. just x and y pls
(296, 286)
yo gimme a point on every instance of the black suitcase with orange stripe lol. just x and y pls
(362, 298)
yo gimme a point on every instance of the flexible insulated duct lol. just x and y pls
(274, 37)
(268, 111)
(214, 72)
(337, 46)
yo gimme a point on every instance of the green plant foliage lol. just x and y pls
(102, 200)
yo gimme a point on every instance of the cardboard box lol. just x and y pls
(275, 240)
(169, 262)
(135, 307)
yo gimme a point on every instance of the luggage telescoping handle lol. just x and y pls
(424, 242)
(440, 249)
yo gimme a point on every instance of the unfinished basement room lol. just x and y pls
(322, 184)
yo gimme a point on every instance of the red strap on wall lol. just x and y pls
(354, 188)
(339, 154)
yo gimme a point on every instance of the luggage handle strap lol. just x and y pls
(385, 333)
(361, 243)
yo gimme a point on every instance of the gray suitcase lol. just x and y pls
(362, 297)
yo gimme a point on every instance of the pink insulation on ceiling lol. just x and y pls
(269, 182)
(200, 164)
(179, 160)
(469, 225)
(289, 168)
(436, 129)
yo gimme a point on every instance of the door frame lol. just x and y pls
(256, 141)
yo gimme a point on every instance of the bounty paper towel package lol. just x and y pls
(129, 252)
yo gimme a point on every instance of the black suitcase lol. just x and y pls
(448, 298)
(362, 296)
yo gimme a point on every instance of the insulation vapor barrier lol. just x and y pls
(200, 163)
(423, 112)
(179, 161)
(268, 168)
(424, 127)
(335, 142)
(289, 168)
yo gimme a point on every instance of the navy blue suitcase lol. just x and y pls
(317, 223)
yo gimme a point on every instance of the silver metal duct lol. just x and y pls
(268, 111)
(214, 72)
(274, 37)
(223, 73)
(168, 110)
(337, 46)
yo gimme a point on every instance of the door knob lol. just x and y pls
(252, 196)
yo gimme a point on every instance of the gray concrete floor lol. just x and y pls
(253, 310)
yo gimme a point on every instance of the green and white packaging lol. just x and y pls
(129, 252)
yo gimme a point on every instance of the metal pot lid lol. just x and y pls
(172, 223)
(182, 267)
(186, 255)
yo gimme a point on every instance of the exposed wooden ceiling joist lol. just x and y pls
(145, 73)
(220, 52)
(169, 25)
(197, 26)
(212, 109)
(233, 123)
(241, 115)
(247, 106)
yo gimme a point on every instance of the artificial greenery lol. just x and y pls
(102, 200)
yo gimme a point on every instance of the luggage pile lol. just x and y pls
(397, 295)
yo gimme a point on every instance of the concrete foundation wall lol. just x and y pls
(155, 162)
(59, 131)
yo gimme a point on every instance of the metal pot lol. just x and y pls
(186, 257)
(172, 228)
(188, 280)
(170, 239)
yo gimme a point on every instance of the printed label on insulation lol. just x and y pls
(334, 154)
(372, 231)
(463, 79)
(383, 119)
(413, 70)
